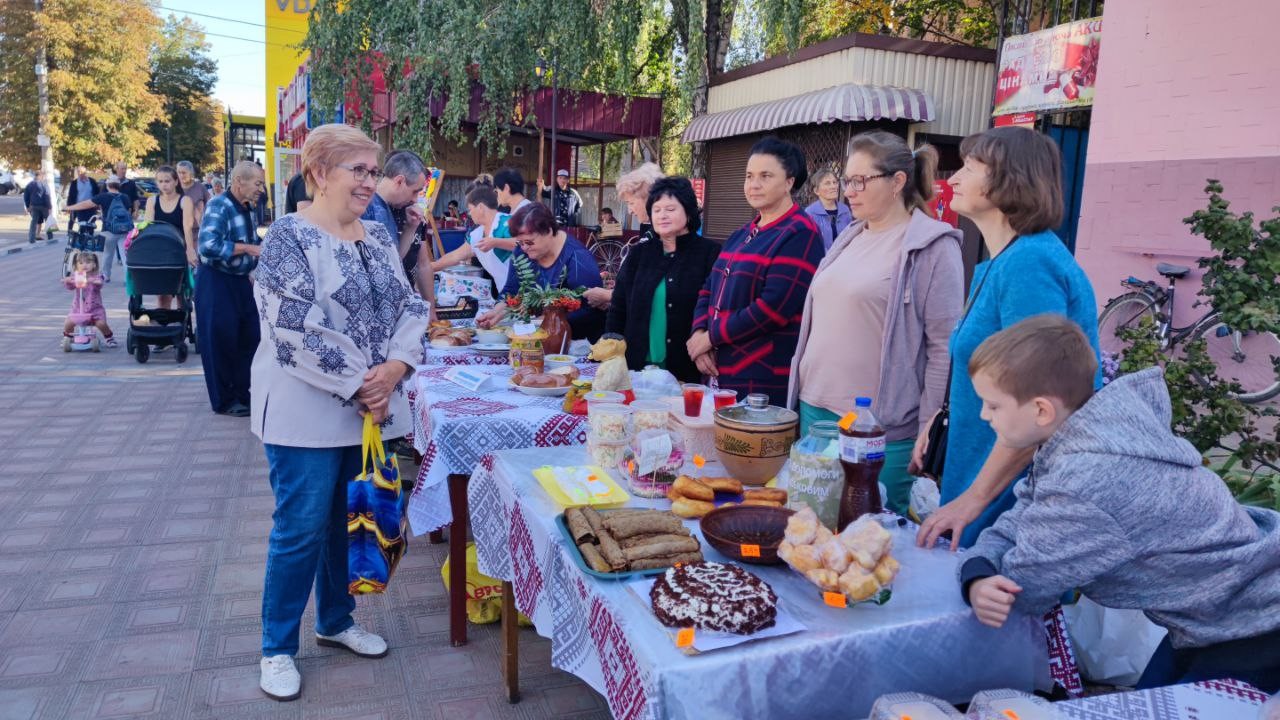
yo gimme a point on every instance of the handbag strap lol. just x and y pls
(964, 314)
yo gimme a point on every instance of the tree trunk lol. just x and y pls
(718, 29)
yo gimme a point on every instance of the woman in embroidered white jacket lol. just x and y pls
(341, 333)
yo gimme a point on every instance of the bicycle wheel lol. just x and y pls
(1244, 358)
(609, 255)
(1123, 312)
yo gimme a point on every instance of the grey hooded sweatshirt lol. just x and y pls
(1124, 510)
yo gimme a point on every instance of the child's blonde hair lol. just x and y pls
(1043, 356)
(89, 257)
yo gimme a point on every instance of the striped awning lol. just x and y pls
(842, 103)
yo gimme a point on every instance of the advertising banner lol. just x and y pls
(1051, 69)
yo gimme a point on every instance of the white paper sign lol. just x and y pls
(466, 376)
(524, 328)
(654, 452)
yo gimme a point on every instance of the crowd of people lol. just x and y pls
(811, 306)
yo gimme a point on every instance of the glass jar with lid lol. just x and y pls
(815, 477)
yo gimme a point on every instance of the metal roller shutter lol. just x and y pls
(725, 208)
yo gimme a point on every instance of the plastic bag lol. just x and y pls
(653, 383)
(484, 594)
(1112, 646)
(924, 499)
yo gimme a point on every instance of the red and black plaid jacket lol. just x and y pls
(752, 303)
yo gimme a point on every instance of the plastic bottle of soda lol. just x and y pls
(862, 441)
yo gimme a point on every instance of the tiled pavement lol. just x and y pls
(132, 550)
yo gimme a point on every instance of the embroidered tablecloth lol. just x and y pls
(1213, 700)
(923, 639)
(454, 427)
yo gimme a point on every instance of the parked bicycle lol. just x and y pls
(1242, 357)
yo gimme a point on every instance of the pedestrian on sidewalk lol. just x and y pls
(38, 204)
(226, 316)
(191, 186)
(128, 187)
(86, 283)
(81, 189)
(117, 221)
(328, 358)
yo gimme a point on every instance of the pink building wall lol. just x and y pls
(1186, 91)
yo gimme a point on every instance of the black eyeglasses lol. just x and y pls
(360, 172)
(859, 182)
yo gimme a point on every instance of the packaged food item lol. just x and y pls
(649, 415)
(1006, 703)
(526, 350)
(654, 383)
(815, 477)
(605, 396)
(607, 454)
(913, 705)
(653, 462)
(610, 422)
(858, 561)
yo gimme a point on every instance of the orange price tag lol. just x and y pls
(1010, 714)
(684, 638)
(750, 551)
(835, 599)
(848, 420)
(699, 461)
(631, 466)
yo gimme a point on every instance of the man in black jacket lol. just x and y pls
(35, 198)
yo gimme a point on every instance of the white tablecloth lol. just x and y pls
(453, 428)
(923, 639)
(1214, 700)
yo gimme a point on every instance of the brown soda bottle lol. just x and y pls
(862, 442)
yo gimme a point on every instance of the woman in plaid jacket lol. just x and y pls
(747, 321)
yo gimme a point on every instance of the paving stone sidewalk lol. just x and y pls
(131, 556)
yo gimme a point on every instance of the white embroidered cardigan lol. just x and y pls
(330, 309)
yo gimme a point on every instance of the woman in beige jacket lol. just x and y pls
(882, 305)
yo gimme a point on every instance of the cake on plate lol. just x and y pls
(713, 596)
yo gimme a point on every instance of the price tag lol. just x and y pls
(752, 551)
(848, 420)
(684, 638)
(1010, 714)
(835, 599)
(699, 461)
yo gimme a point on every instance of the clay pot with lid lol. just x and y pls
(754, 438)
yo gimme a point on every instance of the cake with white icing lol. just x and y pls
(713, 596)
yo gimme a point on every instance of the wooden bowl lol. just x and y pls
(727, 529)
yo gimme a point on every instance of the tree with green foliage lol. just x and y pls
(100, 107)
(183, 74)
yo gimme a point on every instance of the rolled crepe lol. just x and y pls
(651, 539)
(593, 520)
(579, 528)
(662, 549)
(611, 552)
(652, 563)
(594, 559)
(632, 525)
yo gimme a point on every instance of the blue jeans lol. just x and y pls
(308, 541)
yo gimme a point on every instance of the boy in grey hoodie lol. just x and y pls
(1122, 509)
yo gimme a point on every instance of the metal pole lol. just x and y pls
(555, 100)
(42, 138)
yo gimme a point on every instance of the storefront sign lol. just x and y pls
(1050, 69)
(1025, 119)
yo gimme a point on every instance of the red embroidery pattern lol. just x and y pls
(526, 576)
(561, 429)
(622, 682)
(1234, 688)
(473, 406)
(1062, 659)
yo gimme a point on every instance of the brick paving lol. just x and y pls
(131, 556)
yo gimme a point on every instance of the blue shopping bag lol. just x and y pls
(376, 523)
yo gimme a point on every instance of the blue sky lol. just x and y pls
(241, 56)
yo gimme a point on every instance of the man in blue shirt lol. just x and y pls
(226, 314)
(404, 176)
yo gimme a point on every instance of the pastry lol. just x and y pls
(858, 584)
(686, 508)
(568, 371)
(823, 535)
(579, 528)
(543, 380)
(649, 523)
(669, 561)
(801, 527)
(594, 559)
(660, 549)
(692, 489)
(771, 494)
(713, 596)
(722, 484)
(886, 570)
(866, 540)
(762, 503)
(801, 557)
(639, 540)
(835, 556)
(828, 580)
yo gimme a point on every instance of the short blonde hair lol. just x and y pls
(1045, 355)
(639, 181)
(328, 145)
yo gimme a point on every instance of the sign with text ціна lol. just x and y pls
(1051, 69)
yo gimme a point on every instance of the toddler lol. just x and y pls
(86, 283)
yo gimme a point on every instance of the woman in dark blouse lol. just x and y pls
(657, 287)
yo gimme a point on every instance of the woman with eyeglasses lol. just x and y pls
(558, 261)
(747, 320)
(882, 306)
(341, 330)
(828, 213)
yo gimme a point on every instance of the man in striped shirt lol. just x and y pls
(226, 314)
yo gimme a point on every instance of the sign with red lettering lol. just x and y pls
(1050, 69)
(699, 189)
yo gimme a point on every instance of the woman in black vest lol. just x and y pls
(658, 285)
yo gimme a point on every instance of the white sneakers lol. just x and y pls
(280, 679)
(357, 640)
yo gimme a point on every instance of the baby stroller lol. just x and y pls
(158, 266)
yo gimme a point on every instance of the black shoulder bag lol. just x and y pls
(935, 456)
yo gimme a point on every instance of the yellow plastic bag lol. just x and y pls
(484, 594)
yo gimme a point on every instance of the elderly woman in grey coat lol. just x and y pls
(341, 331)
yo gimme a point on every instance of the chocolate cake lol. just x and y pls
(713, 596)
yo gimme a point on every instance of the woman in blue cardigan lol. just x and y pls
(1011, 188)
